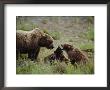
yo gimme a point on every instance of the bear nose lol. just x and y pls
(52, 47)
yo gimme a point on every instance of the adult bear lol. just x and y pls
(30, 42)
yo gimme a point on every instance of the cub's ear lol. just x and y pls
(70, 47)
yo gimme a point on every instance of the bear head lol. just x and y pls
(67, 47)
(46, 41)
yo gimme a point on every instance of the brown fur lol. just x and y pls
(31, 41)
(58, 56)
(74, 54)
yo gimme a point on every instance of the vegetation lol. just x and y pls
(90, 34)
(55, 34)
(30, 67)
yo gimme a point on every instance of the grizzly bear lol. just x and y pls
(57, 55)
(30, 42)
(75, 55)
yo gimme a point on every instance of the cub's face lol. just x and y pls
(46, 41)
(67, 47)
(58, 51)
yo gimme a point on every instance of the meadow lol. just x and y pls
(75, 30)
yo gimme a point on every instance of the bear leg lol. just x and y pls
(31, 55)
(36, 53)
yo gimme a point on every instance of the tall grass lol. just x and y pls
(57, 68)
(55, 34)
(90, 34)
(86, 46)
(26, 26)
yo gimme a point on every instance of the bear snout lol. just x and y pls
(51, 46)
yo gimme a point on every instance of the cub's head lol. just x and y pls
(67, 47)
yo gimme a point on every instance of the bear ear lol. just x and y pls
(36, 29)
(70, 47)
(44, 36)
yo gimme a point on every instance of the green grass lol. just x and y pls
(90, 32)
(26, 26)
(70, 40)
(90, 35)
(57, 68)
(55, 34)
(86, 46)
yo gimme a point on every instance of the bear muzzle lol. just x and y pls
(51, 46)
